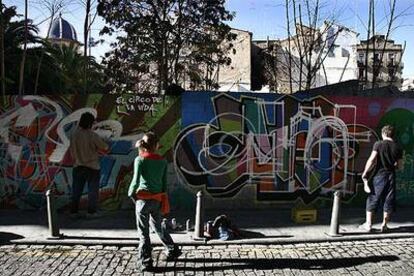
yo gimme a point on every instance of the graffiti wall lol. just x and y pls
(287, 148)
(242, 149)
(35, 136)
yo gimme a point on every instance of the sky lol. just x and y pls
(264, 18)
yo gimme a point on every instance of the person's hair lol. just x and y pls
(388, 131)
(151, 142)
(86, 120)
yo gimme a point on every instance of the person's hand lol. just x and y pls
(103, 151)
(367, 189)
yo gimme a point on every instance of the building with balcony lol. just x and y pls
(379, 62)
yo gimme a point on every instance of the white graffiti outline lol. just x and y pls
(341, 136)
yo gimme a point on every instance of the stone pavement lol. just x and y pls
(373, 257)
(259, 227)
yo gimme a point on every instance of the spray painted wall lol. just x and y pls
(287, 148)
(35, 136)
(242, 149)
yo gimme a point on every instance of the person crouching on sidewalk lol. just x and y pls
(148, 190)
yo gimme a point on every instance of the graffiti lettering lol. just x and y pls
(305, 149)
(130, 103)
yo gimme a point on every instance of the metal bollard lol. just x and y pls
(336, 209)
(199, 218)
(51, 215)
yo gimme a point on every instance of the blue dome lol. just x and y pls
(62, 29)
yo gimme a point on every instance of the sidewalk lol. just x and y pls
(259, 226)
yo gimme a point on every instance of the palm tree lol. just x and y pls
(69, 65)
(14, 38)
(62, 67)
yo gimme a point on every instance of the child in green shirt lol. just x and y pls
(148, 190)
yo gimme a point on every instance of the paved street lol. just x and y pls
(373, 257)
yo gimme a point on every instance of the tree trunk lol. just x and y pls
(23, 62)
(39, 66)
(376, 66)
(85, 46)
(368, 37)
(289, 47)
(164, 59)
(2, 69)
(389, 28)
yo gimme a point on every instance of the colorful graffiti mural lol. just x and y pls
(34, 142)
(288, 147)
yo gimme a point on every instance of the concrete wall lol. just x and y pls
(341, 63)
(239, 71)
(243, 150)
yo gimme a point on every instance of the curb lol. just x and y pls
(261, 241)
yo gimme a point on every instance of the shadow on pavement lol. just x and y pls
(98, 238)
(401, 229)
(270, 264)
(247, 235)
(262, 236)
(6, 237)
(394, 230)
(250, 234)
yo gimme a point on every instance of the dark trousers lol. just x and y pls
(80, 176)
(383, 193)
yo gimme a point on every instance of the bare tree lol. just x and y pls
(289, 47)
(90, 8)
(53, 7)
(297, 62)
(304, 53)
(391, 17)
(377, 45)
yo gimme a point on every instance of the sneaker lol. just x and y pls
(365, 227)
(174, 254)
(146, 267)
(384, 228)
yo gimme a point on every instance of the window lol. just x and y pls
(391, 58)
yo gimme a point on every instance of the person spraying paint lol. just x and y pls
(85, 147)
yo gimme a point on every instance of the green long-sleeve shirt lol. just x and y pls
(150, 174)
